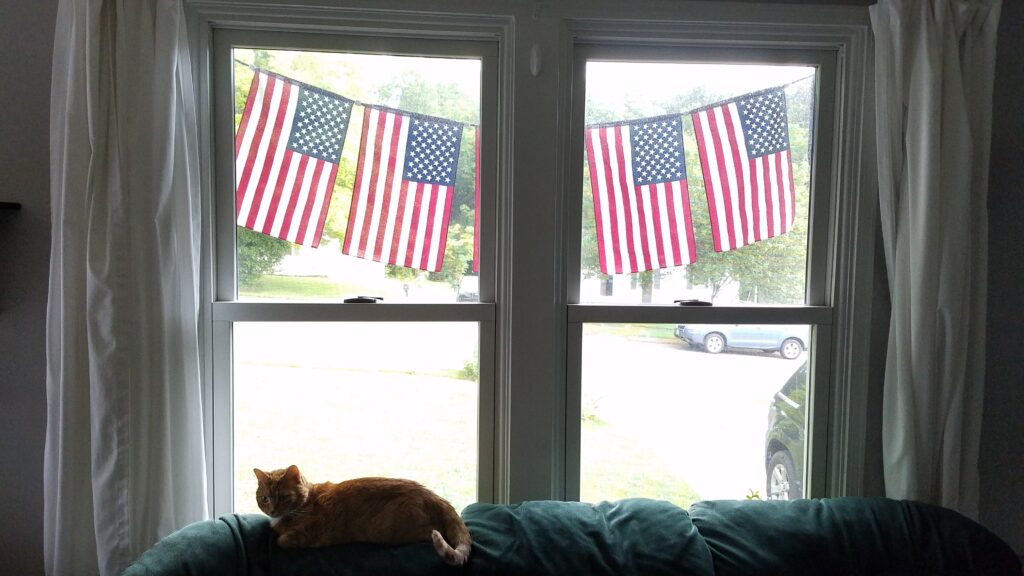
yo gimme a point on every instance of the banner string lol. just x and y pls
(595, 125)
(354, 101)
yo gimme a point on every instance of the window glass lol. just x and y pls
(692, 412)
(345, 400)
(355, 174)
(697, 188)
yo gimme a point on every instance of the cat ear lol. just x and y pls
(261, 476)
(292, 473)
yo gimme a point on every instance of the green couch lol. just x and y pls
(842, 536)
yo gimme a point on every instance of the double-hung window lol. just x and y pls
(351, 327)
(698, 280)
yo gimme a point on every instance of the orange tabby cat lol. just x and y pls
(375, 510)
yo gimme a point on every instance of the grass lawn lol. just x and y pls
(340, 415)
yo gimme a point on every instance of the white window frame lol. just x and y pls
(224, 308)
(528, 314)
(840, 225)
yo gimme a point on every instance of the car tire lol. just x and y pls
(714, 343)
(782, 481)
(791, 349)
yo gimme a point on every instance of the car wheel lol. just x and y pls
(714, 343)
(782, 480)
(791, 349)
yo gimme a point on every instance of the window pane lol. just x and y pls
(315, 124)
(667, 419)
(636, 246)
(345, 400)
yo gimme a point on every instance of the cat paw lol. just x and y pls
(287, 541)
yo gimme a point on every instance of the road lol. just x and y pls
(662, 408)
(699, 416)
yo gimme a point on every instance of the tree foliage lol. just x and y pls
(258, 254)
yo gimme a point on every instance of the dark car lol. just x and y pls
(784, 442)
(788, 341)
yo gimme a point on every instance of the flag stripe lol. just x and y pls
(250, 102)
(253, 155)
(288, 223)
(271, 164)
(712, 188)
(476, 207)
(596, 187)
(386, 215)
(358, 186)
(629, 232)
(736, 183)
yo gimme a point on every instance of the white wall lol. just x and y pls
(26, 30)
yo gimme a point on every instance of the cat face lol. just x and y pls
(280, 491)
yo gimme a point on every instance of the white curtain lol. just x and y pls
(934, 66)
(124, 460)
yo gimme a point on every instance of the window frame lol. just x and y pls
(840, 260)
(225, 309)
(529, 155)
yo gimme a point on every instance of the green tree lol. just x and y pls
(258, 254)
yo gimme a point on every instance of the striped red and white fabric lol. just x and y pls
(641, 203)
(287, 149)
(748, 171)
(403, 190)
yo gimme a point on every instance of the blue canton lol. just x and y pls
(657, 146)
(432, 151)
(320, 124)
(763, 117)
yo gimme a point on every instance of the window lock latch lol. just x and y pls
(363, 300)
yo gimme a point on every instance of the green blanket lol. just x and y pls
(642, 537)
(636, 536)
(846, 536)
(842, 536)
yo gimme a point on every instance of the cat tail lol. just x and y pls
(459, 535)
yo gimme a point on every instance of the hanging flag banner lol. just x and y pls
(641, 204)
(748, 174)
(287, 149)
(404, 185)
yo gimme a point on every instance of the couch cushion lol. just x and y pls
(869, 536)
(634, 536)
(242, 545)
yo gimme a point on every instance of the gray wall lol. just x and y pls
(26, 43)
(26, 30)
(1002, 452)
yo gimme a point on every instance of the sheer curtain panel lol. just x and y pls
(124, 461)
(934, 66)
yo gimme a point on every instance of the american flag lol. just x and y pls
(404, 184)
(748, 172)
(641, 204)
(286, 157)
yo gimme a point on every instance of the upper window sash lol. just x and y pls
(225, 40)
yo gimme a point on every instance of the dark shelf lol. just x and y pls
(10, 205)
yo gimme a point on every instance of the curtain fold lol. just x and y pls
(934, 69)
(124, 457)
